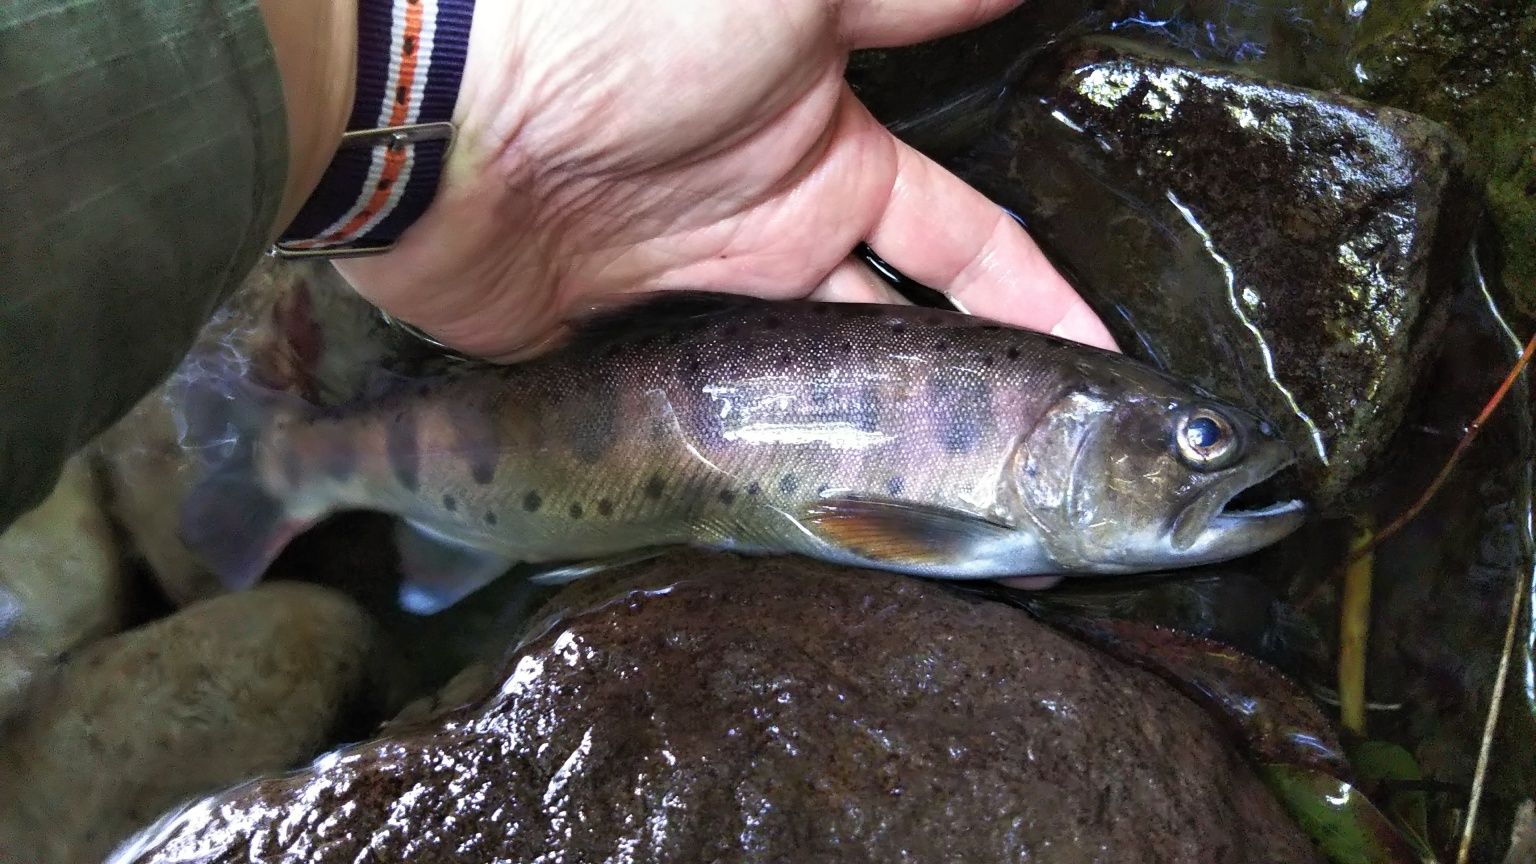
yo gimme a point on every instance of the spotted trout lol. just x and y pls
(907, 439)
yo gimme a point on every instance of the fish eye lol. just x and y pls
(1206, 440)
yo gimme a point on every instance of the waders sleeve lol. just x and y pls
(143, 153)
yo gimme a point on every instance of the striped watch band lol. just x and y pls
(410, 60)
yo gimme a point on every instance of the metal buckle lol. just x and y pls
(393, 137)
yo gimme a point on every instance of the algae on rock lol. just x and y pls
(1470, 64)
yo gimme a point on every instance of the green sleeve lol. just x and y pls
(143, 152)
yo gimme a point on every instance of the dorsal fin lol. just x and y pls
(637, 315)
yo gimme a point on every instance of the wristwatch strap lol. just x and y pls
(410, 61)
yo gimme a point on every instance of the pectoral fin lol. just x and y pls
(438, 571)
(901, 532)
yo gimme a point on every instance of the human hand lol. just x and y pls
(610, 147)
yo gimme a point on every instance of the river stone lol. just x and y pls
(1289, 249)
(224, 689)
(60, 582)
(708, 708)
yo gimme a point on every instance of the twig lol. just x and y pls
(1450, 464)
(1480, 775)
(1354, 633)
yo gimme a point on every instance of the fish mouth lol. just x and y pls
(1239, 515)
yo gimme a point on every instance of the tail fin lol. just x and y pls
(228, 520)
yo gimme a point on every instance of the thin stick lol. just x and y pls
(1491, 724)
(1461, 448)
(1354, 634)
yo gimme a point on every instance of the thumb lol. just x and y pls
(886, 23)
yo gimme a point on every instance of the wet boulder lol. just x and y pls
(712, 708)
(61, 584)
(224, 689)
(1288, 249)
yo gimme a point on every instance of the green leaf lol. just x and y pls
(1383, 762)
(1347, 827)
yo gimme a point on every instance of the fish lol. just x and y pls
(914, 440)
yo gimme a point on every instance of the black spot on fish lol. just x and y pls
(482, 467)
(898, 327)
(772, 322)
(941, 346)
(474, 429)
(532, 501)
(576, 511)
(400, 446)
(594, 421)
(788, 483)
(963, 402)
(490, 518)
(731, 331)
(605, 507)
(449, 503)
(727, 497)
(846, 347)
(895, 485)
(755, 488)
(1013, 353)
(987, 359)
(655, 486)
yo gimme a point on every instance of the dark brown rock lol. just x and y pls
(1289, 249)
(772, 710)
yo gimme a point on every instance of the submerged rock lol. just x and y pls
(713, 708)
(217, 692)
(1285, 248)
(942, 94)
(60, 582)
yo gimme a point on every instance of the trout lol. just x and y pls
(914, 440)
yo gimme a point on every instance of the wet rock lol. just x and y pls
(712, 708)
(221, 690)
(1470, 64)
(1285, 248)
(60, 582)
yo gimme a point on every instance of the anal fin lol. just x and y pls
(439, 571)
(563, 573)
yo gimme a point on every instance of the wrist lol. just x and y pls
(316, 49)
